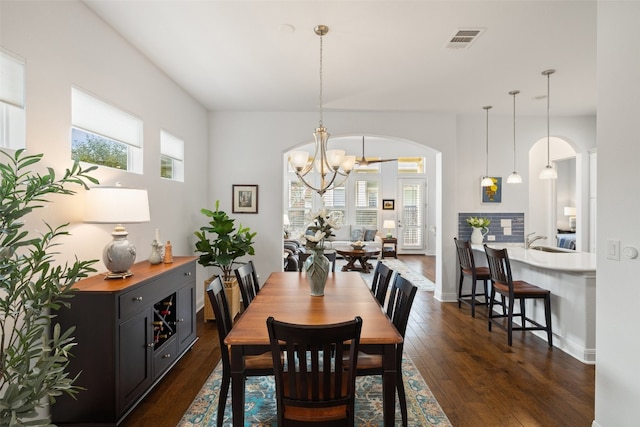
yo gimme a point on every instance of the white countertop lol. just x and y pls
(580, 262)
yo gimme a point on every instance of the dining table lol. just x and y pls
(286, 296)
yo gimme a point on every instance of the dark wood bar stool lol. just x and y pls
(503, 283)
(468, 268)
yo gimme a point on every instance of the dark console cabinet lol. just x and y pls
(129, 333)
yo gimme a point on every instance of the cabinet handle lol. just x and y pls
(188, 273)
(151, 345)
(166, 356)
(137, 299)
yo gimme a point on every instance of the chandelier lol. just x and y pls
(332, 166)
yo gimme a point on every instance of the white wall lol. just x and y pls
(617, 293)
(64, 44)
(255, 143)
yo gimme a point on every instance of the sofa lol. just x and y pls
(348, 234)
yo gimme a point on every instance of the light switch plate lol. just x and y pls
(613, 250)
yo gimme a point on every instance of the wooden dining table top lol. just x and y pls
(286, 296)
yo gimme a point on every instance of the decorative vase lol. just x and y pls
(317, 267)
(477, 235)
(156, 253)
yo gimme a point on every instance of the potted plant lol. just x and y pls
(34, 352)
(222, 250)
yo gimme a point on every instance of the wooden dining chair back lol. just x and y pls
(315, 380)
(401, 298)
(259, 365)
(503, 284)
(380, 283)
(467, 268)
(248, 283)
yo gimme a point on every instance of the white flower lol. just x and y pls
(315, 237)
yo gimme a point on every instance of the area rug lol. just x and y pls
(417, 279)
(260, 405)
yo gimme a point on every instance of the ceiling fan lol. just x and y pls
(364, 162)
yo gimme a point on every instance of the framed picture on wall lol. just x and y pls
(388, 204)
(493, 193)
(245, 199)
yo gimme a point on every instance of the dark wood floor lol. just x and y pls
(475, 376)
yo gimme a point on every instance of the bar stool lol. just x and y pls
(468, 268)
(500, 271)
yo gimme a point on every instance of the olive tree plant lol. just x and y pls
(34, 352)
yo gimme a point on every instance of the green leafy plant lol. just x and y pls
(34, 352)
(227, 246)
(478, 222)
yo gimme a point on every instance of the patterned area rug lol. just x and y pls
(398, 266)
(260, 405)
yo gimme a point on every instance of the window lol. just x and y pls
(300, 204)
(103, 134)
(335, 200)
(366, 202)
(171, 157)
(408, 165)
(12, 102)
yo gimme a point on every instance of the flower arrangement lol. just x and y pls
(322, 226)
(478, 222)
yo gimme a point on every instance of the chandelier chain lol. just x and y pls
(321, 36)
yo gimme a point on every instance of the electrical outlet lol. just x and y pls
(491, 238)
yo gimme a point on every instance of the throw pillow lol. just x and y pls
(369, 235)
(356, 234)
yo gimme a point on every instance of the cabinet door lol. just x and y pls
(186, 316)
(135, 355)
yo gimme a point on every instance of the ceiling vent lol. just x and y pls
(464, 37)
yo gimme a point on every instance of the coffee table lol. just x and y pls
(360, 255)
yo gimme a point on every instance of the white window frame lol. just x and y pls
(365, 204)
(95, 116)
(172, 150)
(13, 117)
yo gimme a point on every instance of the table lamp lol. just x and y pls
(389, 224)
(286, 223)
(570, 211)
(117, 205)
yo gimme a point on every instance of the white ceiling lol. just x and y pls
(390, 55)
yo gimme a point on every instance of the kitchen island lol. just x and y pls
(571, 278)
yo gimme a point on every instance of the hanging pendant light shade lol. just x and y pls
(486, 179)
(514, 178)
(548, 172)
(329, 164)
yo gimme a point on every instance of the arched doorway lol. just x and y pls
(555, 206)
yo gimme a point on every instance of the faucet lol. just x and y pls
(529, 241)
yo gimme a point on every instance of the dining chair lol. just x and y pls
(313, 385)
(258, 365)
(380, 283)
(248, 281)
(503, 284)
(467, 268)
(401, 298)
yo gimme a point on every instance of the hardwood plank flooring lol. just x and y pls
(475, 376)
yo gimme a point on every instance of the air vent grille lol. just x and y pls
(463, 38)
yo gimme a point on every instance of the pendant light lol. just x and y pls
(514, 178)
(548, 172)
(486, 180)
(329, 164)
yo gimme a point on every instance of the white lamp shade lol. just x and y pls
(569, 211)
(514, 178)
(299, 158)
(335, 157)
(486, 182)
(285, 220)
(389, 223)
(348, 163)
(548, 173)
(116, 205)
